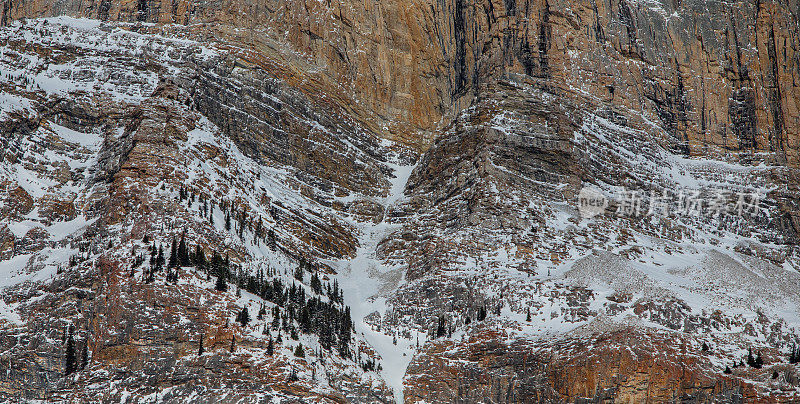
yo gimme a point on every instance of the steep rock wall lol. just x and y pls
(715, 77)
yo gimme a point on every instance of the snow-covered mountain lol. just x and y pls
(461, 201)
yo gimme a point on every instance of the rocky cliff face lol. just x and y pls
(618, 365)
(429, 156)
(715, 78)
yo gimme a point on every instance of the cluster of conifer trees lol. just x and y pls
(444, 329)
(753, 361)
(179, 256)
(240, 217)
(320, 312)
(794, 355)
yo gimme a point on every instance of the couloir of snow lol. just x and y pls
(367, 281)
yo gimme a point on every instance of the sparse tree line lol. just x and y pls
(756, 361)
(83, 255)
(321, 312)
(752, 361)
(794, 355)
(444, 325)
(234, 220)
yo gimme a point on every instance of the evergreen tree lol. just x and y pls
(759, 362)
(482, 313)
(727, 370)
(298, 273)
(336, 295)
(276, 318)
(219, 267)
(183, 252)
(85, 354)
(222, 284)
(160, 259)
(171, 275)
(368, 365)
(299, 352)
(173, 254)
(528, 317)
(270, 347)
(316, 284)
(71, 364)
(243, 317)
(199, 258)
(201, 350)
(750, 360)
(272, 242)
(774, 374)
(233, 343)
(217, 264)
(259, 228)
(440, 329)
(346, 326)
(152, 257)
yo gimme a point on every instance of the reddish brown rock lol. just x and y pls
(626, 365)
(309, 86)
(35, 239)
(55, 209)
(7, 243)
(711, 75)
(17, 203)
